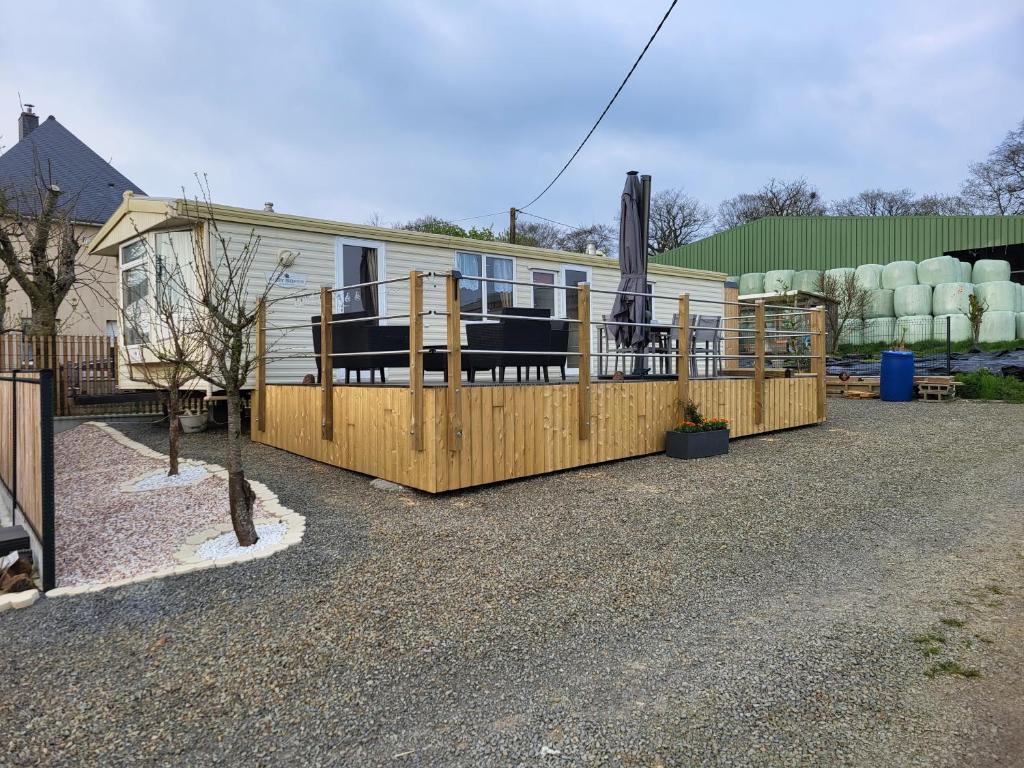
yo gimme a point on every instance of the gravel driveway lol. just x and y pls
(819, 597)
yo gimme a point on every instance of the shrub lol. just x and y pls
(985, 385)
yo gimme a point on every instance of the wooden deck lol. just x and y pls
(513, 431)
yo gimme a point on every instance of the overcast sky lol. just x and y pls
(346, 110)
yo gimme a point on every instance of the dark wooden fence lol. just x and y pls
(84, 366)
(26, 460)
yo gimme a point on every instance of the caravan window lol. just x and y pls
(358, 263)
(485, 296)
(155, 268)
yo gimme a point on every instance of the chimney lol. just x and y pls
(268, 207)
(28, 122)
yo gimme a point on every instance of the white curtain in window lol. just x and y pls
(501, 269)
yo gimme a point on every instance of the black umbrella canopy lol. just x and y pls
(629, 308)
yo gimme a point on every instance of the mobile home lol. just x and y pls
(304, 254)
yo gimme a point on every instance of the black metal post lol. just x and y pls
(949, 344)
(49, 570)
(14, 441)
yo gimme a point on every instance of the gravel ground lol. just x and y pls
(106, 533)
(779, 606)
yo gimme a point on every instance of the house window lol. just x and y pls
(544, 296)
(485, 296)
(151, 276)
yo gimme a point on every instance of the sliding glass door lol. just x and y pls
(358, 262)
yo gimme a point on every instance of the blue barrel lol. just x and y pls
(897, 380)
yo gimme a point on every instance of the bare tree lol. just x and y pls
(846, 300)
(163, 326)
(976, 313)
(676, 219)
(776, 198)
(996, 185)
(38, 247)
(5, 281)
(876, 202)
(575, 240)
(539, 234)
(225, 304)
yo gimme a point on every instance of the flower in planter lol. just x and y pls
(694, 421)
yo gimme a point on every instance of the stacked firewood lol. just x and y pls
(16, 574)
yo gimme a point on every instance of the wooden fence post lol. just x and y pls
(416, 358)
(454, 393)
(731, 324)
(261, 365)
(818, 359)
(326, 365)
(583, 387)
(759, 362)
(683, 352)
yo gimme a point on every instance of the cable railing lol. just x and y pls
(707, 338)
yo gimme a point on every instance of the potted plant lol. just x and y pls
(697, 437)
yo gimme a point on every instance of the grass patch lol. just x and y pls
(995, 589)
(927, 638)
(952, 668)
(876, 349)
(949, 621)
(984, 385)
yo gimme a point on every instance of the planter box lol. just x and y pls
(192, 422)
(696, 445)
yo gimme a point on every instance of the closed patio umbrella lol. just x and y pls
(629, 308)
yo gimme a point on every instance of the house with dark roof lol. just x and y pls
(92, 189)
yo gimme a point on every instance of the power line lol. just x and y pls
(605, 112)
(550, 221)
(481, 216)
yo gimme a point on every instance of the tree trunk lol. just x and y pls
(173, 409)
(240, 493)
(44, 320)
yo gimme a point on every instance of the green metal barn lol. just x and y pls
(824, 242)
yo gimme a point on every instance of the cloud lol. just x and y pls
(457, 108)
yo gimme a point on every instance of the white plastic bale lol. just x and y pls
(998, 297)
(869, 276)
(808, 280)
(959, 328)
(879, 330)
(965, 272)
(1020, 297)
(879, 303)
(852, 333)
(952, 299)
(998, 326)
(991, 271)
(751, 283)
(840, 275)
(941, 269)
(778, 280)
(1020, 325)
(896, 274)
(913, 328)
(912, 300)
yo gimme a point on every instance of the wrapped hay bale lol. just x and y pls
(808, 280)
(852, 333)
(839, 275)
(912, 300)
(1020, 325)
(959, 328)
(991, 271)
(778, 280)
(941, 269)
(998, 326)
(879, 330)
(965, 272)
(751, 283)
(869, 276)
(913, 328)
(879, 303)
(899, 273)
(998, 296)
(952, 298)
(1020, 297)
